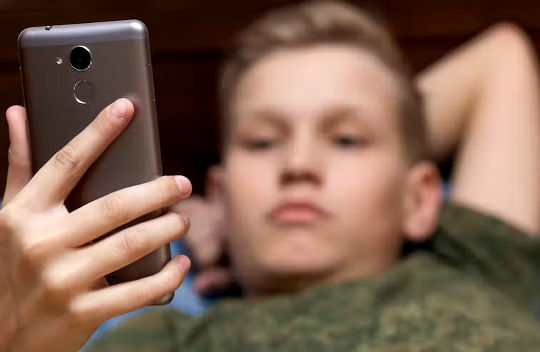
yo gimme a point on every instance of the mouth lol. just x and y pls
(297, 213)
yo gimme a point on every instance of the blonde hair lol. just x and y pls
(324, 22)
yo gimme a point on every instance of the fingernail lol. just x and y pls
(184, 263)
(118, 109)
(184, 185)
(187, 223)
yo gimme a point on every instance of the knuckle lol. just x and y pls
(144, 294)
(76, 316)
(173, 281)
(161, 283)
(11, 220)
(100, 126)
(515, 37)
(68, 157)
(54, 283)
(169, 191)
(33, 250)
(511, 30)
(15, 159)
(12, 158)
(133, 240)
(113, 209)
(166, 281)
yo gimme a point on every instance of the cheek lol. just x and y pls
(367, 192)
(251, 187)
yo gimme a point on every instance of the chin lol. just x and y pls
(282, 270)
(282, 275)
(288, 260)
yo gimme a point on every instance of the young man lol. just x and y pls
(325, 175)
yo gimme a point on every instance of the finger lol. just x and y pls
(20, 168)
(98, 306)
(53, 182)
(113, 210)
(125, 247)
(213, 279)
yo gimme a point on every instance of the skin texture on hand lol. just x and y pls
(53, 291)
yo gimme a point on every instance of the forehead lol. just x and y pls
(309, 81)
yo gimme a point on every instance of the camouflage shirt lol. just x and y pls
(477, 289)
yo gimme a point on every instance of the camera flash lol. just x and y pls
(59, 60)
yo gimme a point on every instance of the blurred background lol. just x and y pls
(188, 39)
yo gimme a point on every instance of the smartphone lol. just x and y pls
(69, 74)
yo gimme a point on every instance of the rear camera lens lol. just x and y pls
(80, 58)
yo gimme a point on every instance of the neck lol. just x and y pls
(272, 285)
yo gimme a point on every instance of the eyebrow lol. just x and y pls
(345, 113)
(330, 117)
(269, 116)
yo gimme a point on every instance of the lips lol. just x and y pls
(297, 212)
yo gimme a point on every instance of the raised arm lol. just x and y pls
(483, 100)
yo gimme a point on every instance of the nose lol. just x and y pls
(301, 161)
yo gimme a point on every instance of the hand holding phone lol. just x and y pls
(70, 73)
(54, 293)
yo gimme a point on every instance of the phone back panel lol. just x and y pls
(120, 67)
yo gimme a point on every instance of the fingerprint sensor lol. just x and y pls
(83, 91)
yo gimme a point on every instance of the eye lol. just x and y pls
(260, 143)
(347, 141)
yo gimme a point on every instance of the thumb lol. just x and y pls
(20, 167)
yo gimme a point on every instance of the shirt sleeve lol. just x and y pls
(483, 245)
(154, 330)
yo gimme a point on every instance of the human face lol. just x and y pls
(314, 170)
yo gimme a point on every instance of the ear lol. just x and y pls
(422, 201)
(215, 183)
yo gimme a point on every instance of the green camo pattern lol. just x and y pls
(477, 290)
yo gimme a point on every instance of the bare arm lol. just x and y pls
(483, 99)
